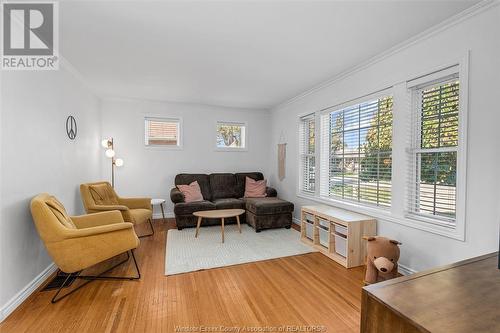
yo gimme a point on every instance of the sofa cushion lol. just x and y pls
(266, 206)
(191, 192)
(202, 179)
(241, 179)
(255, 188)
(184, 208)
(223, 185)
(229, 203)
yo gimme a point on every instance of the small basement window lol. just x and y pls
(162, 132)
(231, 136)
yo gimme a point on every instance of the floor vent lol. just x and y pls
(58, 280)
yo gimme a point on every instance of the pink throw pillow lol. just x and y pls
(255, 188)
(192, 192)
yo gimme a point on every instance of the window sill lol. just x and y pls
(231, 149)
(384, 214)
(426, 224)
(149, 147)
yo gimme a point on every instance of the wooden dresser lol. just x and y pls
(462, 297)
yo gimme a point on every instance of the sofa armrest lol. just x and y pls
(103, 208)
(97, 219)
(176, 196)
(92, 231)
(136, 203)
(271, 192)
(82, 248)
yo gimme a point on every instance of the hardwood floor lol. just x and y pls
(301, 290)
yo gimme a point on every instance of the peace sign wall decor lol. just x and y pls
(71, 127)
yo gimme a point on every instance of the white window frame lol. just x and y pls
(300, 189)
(436, 224)
(179, 122)
(325, 153)
(243, 124)
(413, 186)
(402, 140)
(384, 213)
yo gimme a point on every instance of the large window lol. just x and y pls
(307, 154)
(399, 154)
(434, 157)
(357, 145)
(162, 132)
(231, 136)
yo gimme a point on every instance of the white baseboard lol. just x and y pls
(402, 269)
(296, 220)
(21, 296)
(168, 215)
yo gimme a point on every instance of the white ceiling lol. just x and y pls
(245, 54)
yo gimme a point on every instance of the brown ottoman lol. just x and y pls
(267, 213)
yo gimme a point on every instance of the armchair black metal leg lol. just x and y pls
(136, 266)
(152, 230)
(100, 276)
(55, 299)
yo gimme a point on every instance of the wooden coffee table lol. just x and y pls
(219, 214)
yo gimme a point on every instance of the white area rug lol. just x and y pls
(185, 253)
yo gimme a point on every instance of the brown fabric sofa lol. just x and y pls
(225, 191)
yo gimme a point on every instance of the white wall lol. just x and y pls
(479, 34)
(151, 171)
(37, 156)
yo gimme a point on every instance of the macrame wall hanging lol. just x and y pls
(281, 157)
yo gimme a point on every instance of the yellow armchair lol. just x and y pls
(79, 242)
(101, 197)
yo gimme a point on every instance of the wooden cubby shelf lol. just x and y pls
(337, 233)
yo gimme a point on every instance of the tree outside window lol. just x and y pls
(231, 135)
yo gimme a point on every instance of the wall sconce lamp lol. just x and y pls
(108, 144)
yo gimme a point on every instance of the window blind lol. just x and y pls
(433, 158)
(307, 153)
(357, 146)
(163, 132)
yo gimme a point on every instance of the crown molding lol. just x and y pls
(446, 24)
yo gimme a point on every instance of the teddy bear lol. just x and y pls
(382, 255)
